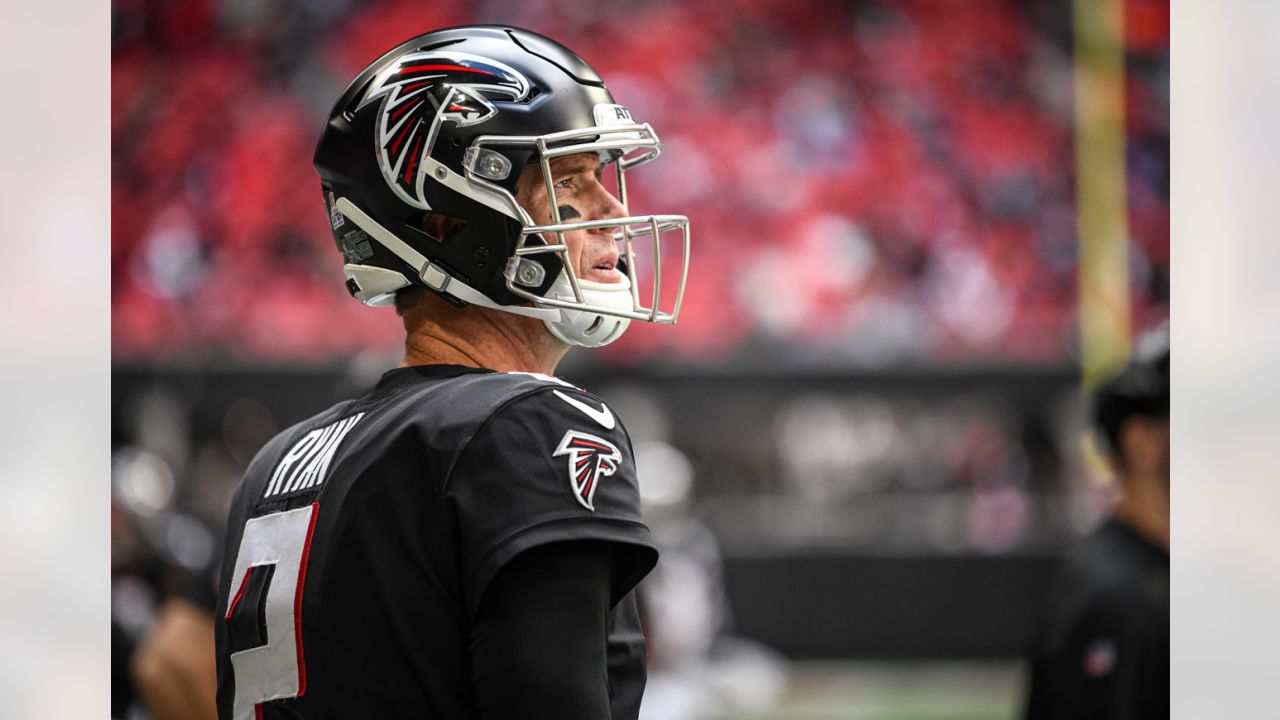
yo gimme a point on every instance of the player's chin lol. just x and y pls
(602, 274)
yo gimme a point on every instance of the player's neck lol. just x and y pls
(1145, 507)
(479, 337)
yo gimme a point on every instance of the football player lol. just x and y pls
(1105, 651)
(464, 540)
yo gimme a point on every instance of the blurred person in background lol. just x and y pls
(162, 590)
(464, 540)
(697, 667)
(1104, 652)
(162, 629)
(173, 669)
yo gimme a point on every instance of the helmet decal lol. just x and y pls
(590, 459)
(422, 90)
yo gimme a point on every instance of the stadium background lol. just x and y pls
(871, 404)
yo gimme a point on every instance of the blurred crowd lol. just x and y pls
(868, 182)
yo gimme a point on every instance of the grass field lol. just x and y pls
(896, 691)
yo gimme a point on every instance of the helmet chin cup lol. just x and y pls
(590, 329)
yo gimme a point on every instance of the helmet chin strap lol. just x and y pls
(575, 327)
(432, 275)
(590, 329)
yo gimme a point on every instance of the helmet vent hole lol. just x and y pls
(438, 45)
(349, 112)
(436, 226)
(617, 327)
(594, 326)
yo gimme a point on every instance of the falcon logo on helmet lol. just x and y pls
(590, 458)
(422, 91)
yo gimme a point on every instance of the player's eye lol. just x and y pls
(565, 183)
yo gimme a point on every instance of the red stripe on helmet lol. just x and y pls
(400, 136)
(395, 115)
(412, 161)
(428, 68)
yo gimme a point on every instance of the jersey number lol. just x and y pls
(264, 615)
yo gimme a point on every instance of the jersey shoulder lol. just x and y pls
(431, 413)
(471, 403)
(549, 464)
(544, 391)
(548, 410)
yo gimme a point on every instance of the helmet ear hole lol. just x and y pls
(436, 226)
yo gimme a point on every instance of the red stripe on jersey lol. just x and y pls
(579, 442)
(244, 582)
(297, 600)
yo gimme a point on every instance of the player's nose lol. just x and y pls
(606, 207)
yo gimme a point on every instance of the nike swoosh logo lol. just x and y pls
(604, 415)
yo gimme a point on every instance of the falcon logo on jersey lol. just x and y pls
(590, 458)
(419, 93)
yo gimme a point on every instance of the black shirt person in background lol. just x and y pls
(1104, 653)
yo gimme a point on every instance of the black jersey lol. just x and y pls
(361, 542)
(1104, 653)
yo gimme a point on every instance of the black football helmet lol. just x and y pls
(445, 123)
(1140, 389)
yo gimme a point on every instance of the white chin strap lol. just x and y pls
(589, 329)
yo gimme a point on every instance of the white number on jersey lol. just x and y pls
(276, 669)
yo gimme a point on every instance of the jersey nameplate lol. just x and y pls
(306, 463)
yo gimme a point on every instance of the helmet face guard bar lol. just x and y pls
(630, 146)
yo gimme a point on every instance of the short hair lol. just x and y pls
(407, 297)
